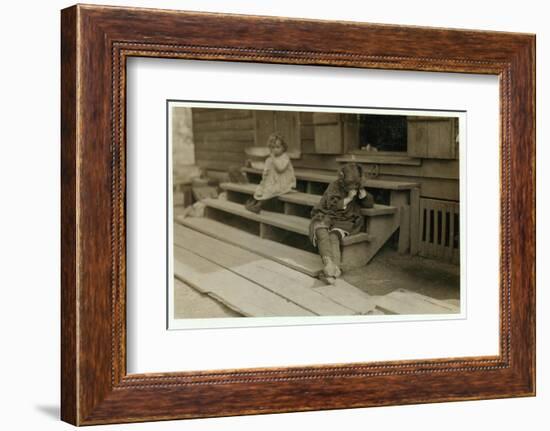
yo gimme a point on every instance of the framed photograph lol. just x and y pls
(263, 214)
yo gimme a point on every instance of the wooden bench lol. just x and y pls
(328, 177)
(312, 200)
(403, 195)
(306, 199)
(291, 223)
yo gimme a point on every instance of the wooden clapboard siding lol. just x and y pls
(230, 146)
(328, 133)
(306, 118)
(307, 133)
(227, 156)
(214, 165)
(429, 168)
(264, 124)
(227, 124)
(350, 129)
(436, 188)
(308, 146)
(285, 123)
(221, 136)
(202, 115)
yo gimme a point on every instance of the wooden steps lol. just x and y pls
(324, 177)
(290, 223)
(404, 196)
(312, 200)
(246, 188)
(295, 258)
(257, 286)
(306, 199)
(286, 219)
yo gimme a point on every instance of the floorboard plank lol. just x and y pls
(349, 296)
(276, 278)
(300, 260)
(189, 303)
(403, 301)
(234, 291)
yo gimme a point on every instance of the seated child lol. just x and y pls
(337, 215)
(278, 176)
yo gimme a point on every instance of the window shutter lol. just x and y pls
(432, 137)
(287, 124)
(328, 132)
(265, 126)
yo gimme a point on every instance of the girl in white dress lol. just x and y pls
(278, 175)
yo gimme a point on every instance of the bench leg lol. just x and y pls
(355, 256)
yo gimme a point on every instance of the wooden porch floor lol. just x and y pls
(216, 276)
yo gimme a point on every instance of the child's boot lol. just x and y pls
(253, 205)
(330, 268)
(325, 250)
(336, 253)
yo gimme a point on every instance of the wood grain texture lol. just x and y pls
(96, 41)
(69, 326)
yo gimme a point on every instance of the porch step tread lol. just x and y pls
(328, 177)
(247, 188)
(312, 200)
(288, 222)
(295, 258)
(306, 199)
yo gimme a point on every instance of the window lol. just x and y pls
(387, 133)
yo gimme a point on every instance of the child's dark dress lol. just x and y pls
(331, 214)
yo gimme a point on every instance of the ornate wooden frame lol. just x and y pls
(96, 41)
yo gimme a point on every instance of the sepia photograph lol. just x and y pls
(284, 211)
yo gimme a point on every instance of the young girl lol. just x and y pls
(278, 176)
(337, 215)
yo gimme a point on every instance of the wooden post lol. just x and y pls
(404, 229)
(415, 220)
(400, 200)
